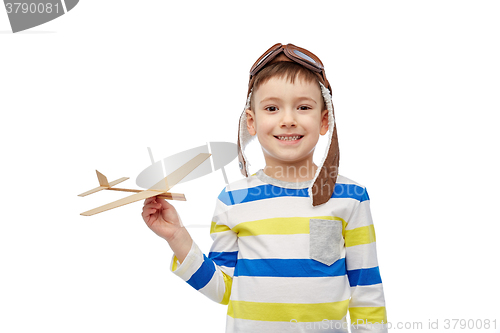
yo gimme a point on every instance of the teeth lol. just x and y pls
(288, 138)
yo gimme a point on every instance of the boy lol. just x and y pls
(294, 244)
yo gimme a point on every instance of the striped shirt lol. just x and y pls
(283, 265)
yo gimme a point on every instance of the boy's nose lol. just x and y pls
(288, 119)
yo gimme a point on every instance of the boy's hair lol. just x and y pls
(287, 70)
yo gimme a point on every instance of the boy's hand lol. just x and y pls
(161, 217)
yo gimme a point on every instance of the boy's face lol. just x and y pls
(282, 109)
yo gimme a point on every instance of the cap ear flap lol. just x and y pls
(244, 138)
(326, 175)
(324, 184)
(242, 164)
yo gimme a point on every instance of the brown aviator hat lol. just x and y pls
(323, 183)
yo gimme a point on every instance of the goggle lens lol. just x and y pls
(305, 56)
(265, 57)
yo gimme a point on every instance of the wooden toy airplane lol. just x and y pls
(160, 189)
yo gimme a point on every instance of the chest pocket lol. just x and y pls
(325, 240)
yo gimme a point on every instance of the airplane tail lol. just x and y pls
(103, 184)
(103, 181)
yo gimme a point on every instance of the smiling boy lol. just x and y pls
(294, 244)
(291, 116)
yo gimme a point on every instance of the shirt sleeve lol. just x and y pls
(367, 304)
(212, 275)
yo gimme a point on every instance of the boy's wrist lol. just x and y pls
(181, 243)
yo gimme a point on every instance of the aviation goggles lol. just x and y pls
(295, 54)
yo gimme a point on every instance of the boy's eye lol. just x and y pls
(271, 108)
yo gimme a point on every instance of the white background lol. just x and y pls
(416, 94)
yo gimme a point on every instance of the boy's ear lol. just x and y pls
(251, 122)
(324, 122)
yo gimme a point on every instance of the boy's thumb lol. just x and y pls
(164, 203)
(165, 208)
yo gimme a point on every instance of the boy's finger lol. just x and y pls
(155, 205)
(149, 211)
(148, 200)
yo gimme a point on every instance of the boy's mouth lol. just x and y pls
(289, 137)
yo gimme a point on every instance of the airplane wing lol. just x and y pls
(168, 182)
(160, 188)
(118, 181)
(94, 190)
(124, 201)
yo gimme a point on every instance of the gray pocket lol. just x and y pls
(325, 240)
